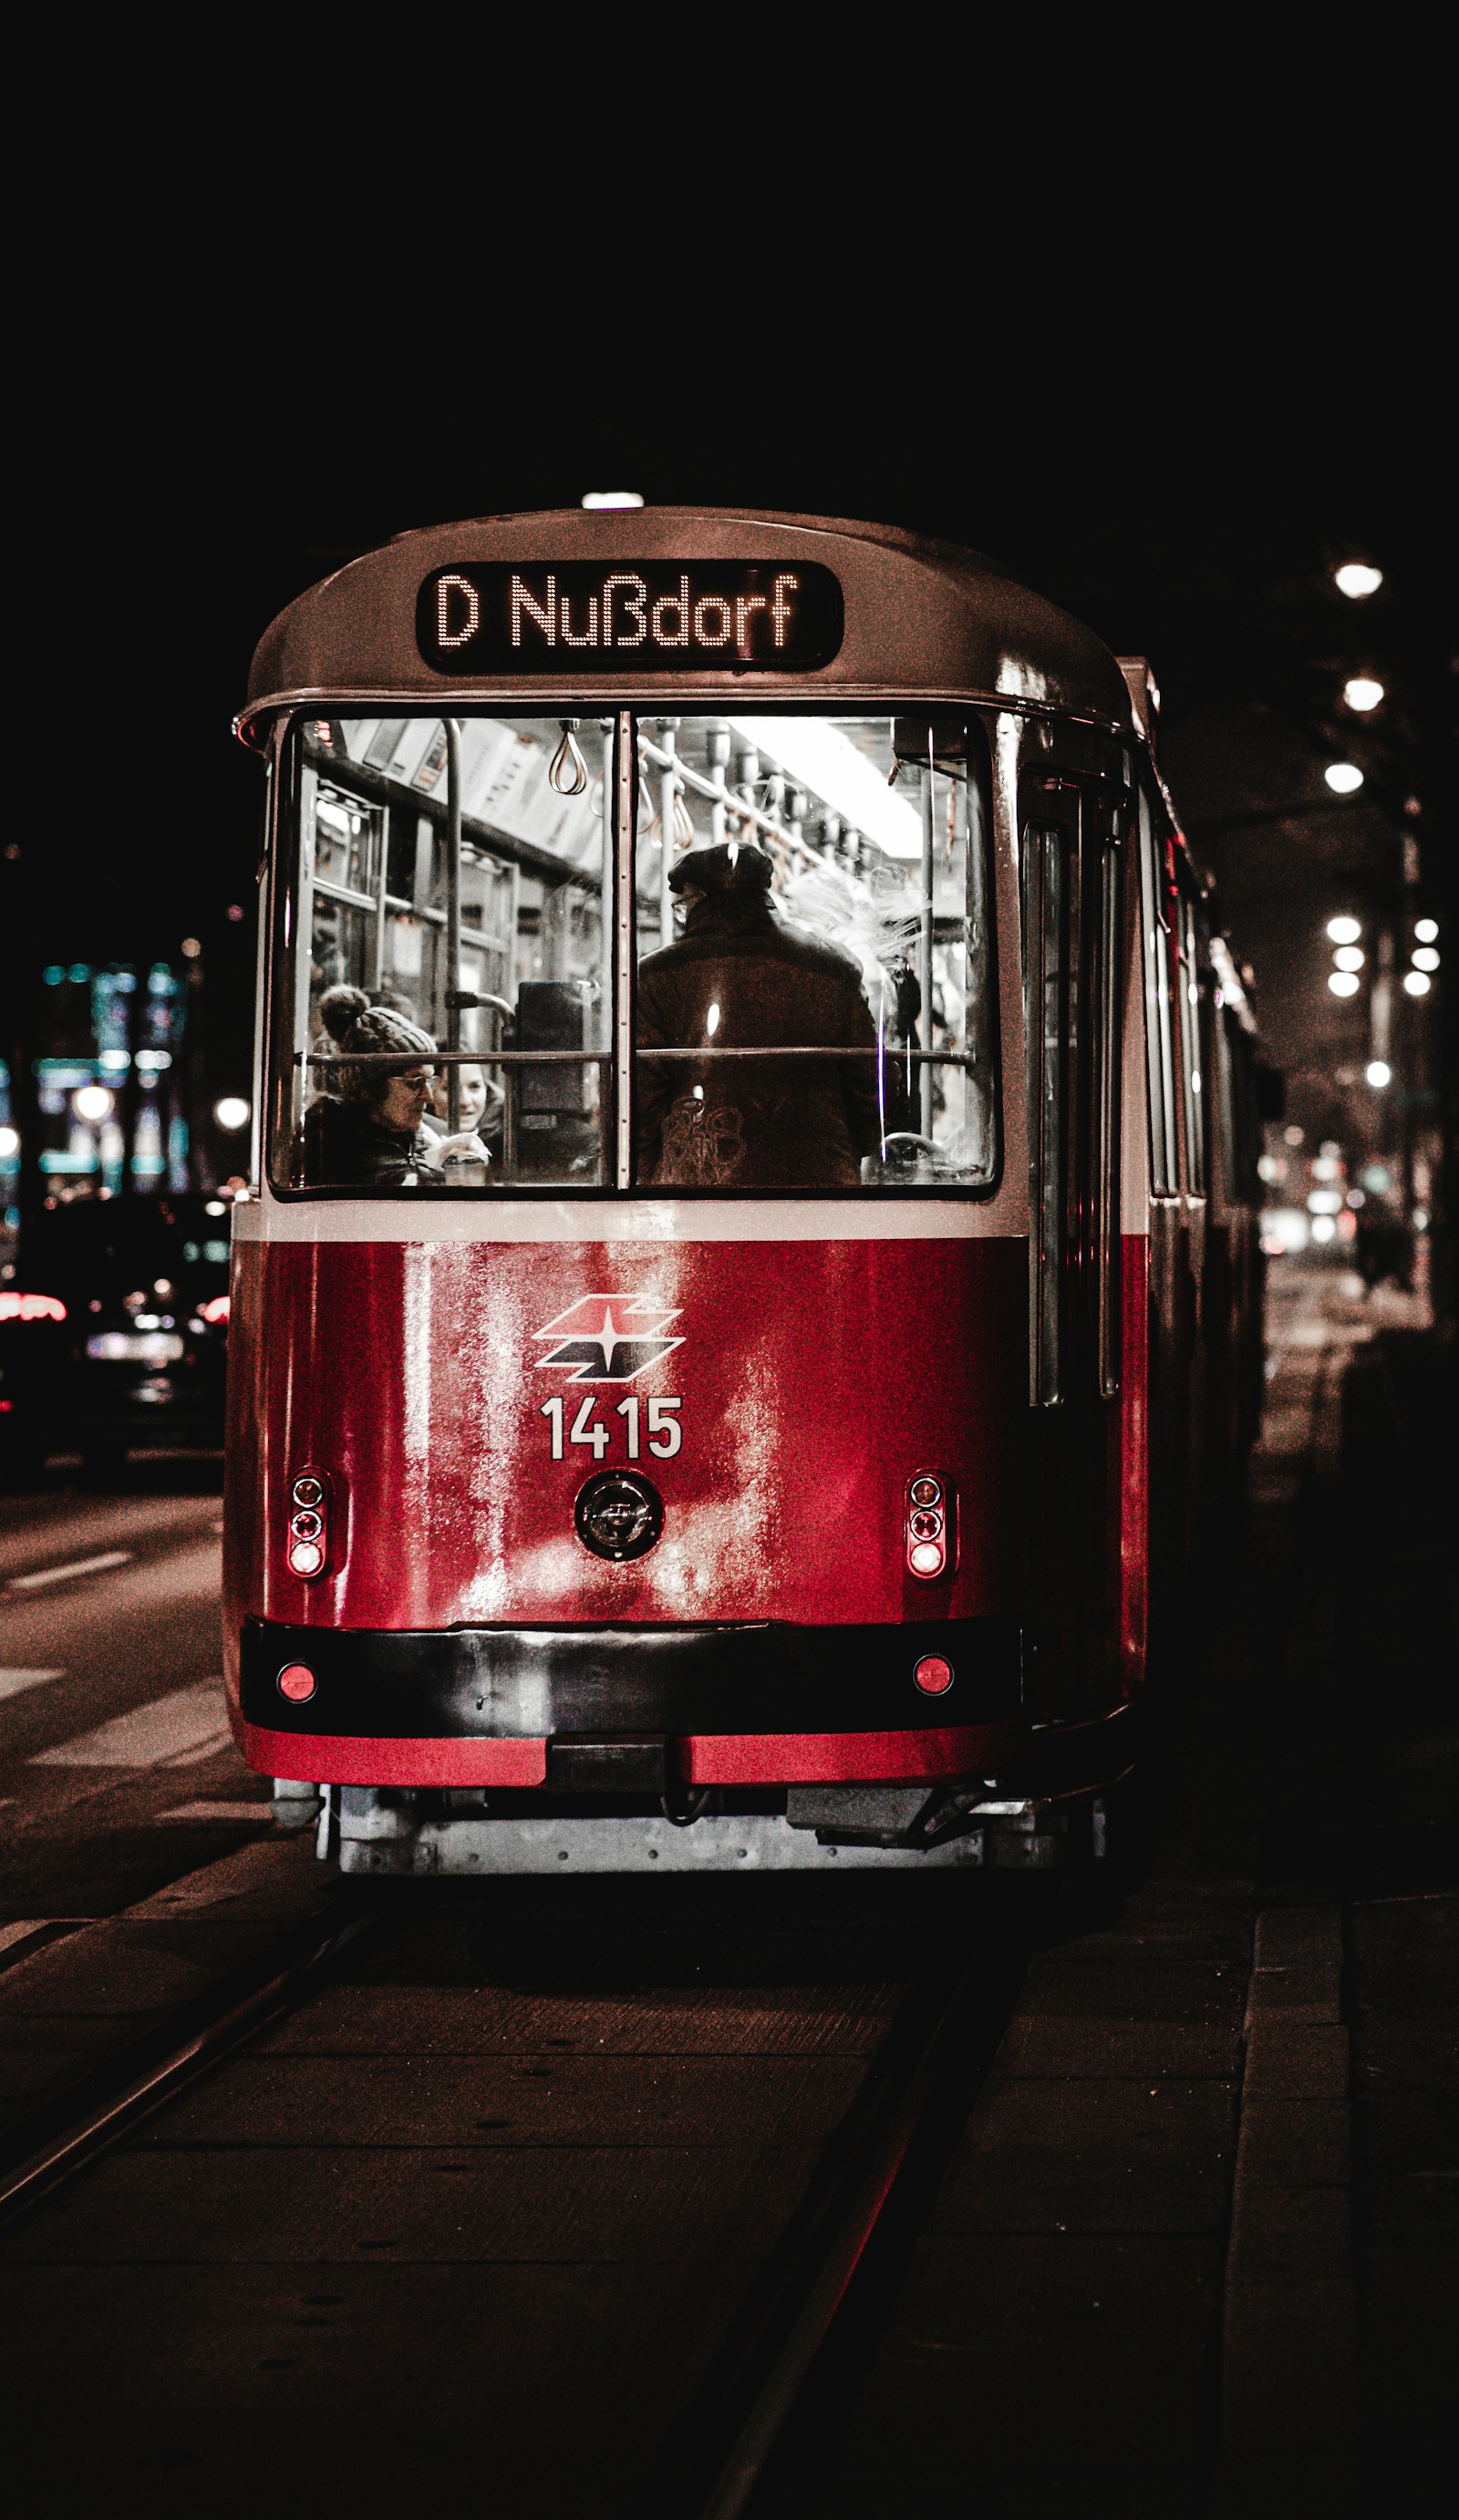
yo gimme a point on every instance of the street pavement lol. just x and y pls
(117, 1773)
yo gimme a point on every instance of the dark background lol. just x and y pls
(1196, 526)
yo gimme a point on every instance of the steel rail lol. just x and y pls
(153, 2071)
(722, 2447)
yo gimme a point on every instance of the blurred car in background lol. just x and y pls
(113, 1330)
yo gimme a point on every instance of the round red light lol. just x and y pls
(934, 1674)
(297, 1682)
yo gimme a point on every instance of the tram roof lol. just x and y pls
(924, 619)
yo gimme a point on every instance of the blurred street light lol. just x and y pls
(1362, 694)
(1343, 930)
(1378, 1072)
(1357, 579)
(10, 1144)
(1344, 984)
(1343, 777)
(232, 1113)
(94, 1102)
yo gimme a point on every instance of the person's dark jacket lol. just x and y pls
(791, 1123)
(341, 1144)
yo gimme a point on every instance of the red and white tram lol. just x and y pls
(753, 1259)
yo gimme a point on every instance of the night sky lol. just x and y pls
(1200, 534)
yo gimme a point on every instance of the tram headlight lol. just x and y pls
(619, 1514)
(307, 1546)
(924, 1526)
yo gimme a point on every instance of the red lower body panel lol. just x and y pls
(705, 1759)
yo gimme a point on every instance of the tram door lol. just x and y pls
(1073, 885)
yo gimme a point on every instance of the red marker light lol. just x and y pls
(934, 1674)
(297, 1682)
(30, 1308)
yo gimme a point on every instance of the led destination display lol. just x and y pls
(586, 617)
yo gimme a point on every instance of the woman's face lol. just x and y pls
(402, 1104)
(471, 1096)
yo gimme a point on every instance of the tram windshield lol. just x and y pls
(812, 1008)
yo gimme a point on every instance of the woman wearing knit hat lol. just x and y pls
(366, 1130)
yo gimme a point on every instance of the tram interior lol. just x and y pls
(874, 832)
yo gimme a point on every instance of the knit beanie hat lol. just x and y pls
(339, 1008)
(378, 1029)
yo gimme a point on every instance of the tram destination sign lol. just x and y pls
(585, 617)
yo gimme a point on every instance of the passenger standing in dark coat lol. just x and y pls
(740, 977)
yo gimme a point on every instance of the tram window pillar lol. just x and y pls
(1111, 1084)
(1048, 1013)
(1165, 1173)
(1194, 1086)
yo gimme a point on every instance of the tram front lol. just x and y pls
(629, 1361)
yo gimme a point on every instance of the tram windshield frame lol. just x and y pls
(863, 834)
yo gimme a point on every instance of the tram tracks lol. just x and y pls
(820, 2258)
(42, 2153)
(818, 2287)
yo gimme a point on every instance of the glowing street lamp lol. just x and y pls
(1362, 694)
(1356, 579)
(232, 1113)
(1343, 777)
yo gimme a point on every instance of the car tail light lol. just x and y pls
(308, 1526)
(925, 1531)
(15, 1307)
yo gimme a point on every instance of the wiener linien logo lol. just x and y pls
(608, 1338)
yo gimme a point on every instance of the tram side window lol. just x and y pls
(1155, 901)
(389, 1074)
(814, 1005)
(1194, 1088)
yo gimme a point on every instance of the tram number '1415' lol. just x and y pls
(664, 1433)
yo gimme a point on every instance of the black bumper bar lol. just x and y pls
(529, 1684)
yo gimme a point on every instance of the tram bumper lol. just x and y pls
(588, 1710)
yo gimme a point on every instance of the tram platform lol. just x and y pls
(1195, 2250)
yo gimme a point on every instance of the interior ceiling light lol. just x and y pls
(1344, 930)
(1362, 694)
(1343, 777)
(1425, 959)
(1425, 931)
(1417, 983)
(1348, 958)
(1356, 579)
(1345, 984)
(612, 498)
(1378, 1072)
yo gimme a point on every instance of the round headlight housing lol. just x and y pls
(619, 1514)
